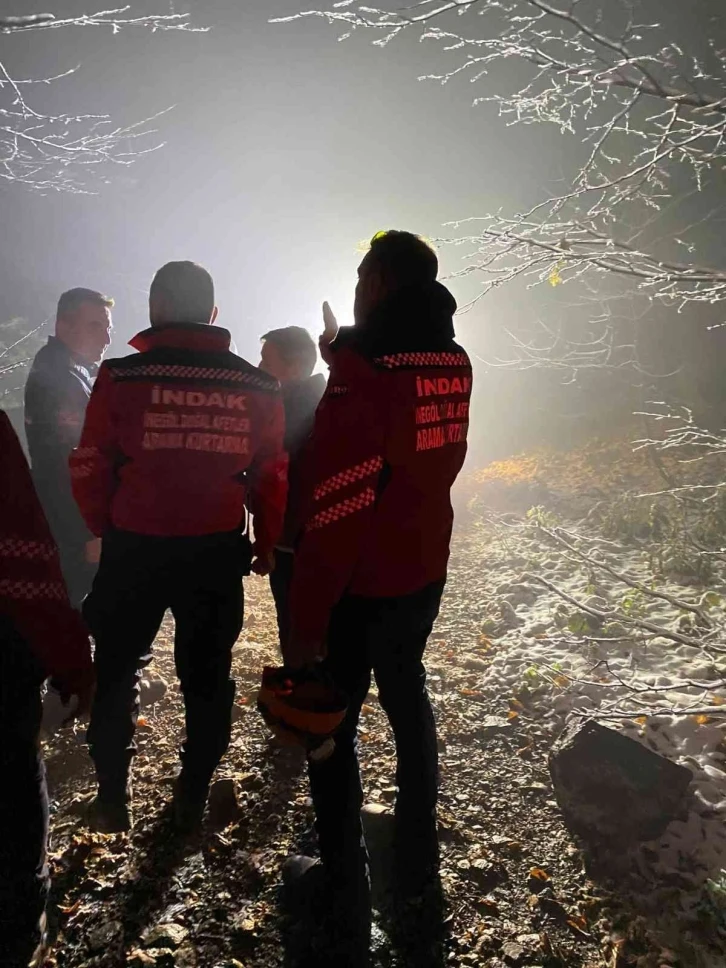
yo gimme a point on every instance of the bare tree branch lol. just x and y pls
(651, 115)
(59, 152)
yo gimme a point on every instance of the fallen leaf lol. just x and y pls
(641, 720)
(701, 719)
(575, 924)
(717, 700)
(577, 921)
(139, 957)
(70, 910)
(527, 748)
(538, 874)
(489, 903)
(512, 714)
(469, 692)
(368, 710)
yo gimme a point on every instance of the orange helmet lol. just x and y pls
(301, 708)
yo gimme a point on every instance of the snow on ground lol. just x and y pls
(594, 671)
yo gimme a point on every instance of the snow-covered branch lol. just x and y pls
(59, 151)
(643, 120)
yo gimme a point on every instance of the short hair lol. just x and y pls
(404, 259)
(186, 291)
(71, 300)
(294, 344)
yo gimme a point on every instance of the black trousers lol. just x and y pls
(385, 637)
(24, 878)
(78, 573)
(139, 577)
(280, 582)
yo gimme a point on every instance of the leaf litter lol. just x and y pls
(518, 890)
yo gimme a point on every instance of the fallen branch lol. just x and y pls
(631, 582)
(619, 681)
(713, 711)
(616, 616)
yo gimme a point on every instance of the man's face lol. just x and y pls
(87, 331)
(272, 362)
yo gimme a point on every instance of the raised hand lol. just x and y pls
(330, 323)
(330, 331)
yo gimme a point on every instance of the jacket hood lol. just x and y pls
(413, 319)
(183, 336)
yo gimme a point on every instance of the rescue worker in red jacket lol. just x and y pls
(177, 439)
(40, 635)
(388, 442)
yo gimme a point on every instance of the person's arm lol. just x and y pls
(93, 463)
(33, 596)
(267, 477)
(345, 458)
(53, 425)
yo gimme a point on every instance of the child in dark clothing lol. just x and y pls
(289, 354)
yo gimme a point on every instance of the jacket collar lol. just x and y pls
(59, 353)
(183, 336)
(308, 387)
(413, 319)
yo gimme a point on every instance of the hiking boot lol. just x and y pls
(189, 804)
(110, 816)
(303, 884)
(336, 909)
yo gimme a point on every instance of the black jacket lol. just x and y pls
(56, 395)
(300, 399)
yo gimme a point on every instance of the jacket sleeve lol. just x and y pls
(93, 463)
(32, 594)
(52, 428)
(344, 458)
(268, 482)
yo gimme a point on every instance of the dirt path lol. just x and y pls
(515, 883)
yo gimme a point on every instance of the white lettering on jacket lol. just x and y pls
(442, 386)
(196, 398)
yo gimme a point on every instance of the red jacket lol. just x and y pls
(32, 593)
(178, 436)
(388, 442)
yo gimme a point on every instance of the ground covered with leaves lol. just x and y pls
(534, 631)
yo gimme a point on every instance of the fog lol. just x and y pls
(282, 151)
